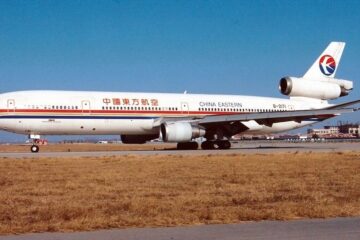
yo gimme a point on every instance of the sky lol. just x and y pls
(226, 47)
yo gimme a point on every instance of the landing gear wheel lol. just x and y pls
(223, 144)
(187, 146)
(207, 145)
(34, 148)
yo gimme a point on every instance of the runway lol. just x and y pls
(330, 229)
(237, 148)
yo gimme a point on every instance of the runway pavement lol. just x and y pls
(331, 229)
(256, 147)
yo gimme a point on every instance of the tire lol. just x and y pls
(224, 144)
(194, 145)
(34, 148)
(207, 145)
(188, 146)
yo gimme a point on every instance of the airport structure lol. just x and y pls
(341, 131)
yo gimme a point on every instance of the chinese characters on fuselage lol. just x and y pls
(131, 101)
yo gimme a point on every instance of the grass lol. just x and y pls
(73, 194)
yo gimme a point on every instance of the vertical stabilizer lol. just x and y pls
(327, 63)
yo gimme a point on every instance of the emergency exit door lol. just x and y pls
(11, 105)
(185, 107)
(85, 105)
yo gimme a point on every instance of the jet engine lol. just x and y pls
(323, 89)
(180, 132)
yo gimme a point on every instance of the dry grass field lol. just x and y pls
(85, 147)
(74, 194)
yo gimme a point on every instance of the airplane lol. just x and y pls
(180, 118)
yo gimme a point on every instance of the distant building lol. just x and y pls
(341, 131)
(353, 129)
(327, 130)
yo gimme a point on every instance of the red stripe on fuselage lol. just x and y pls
(117, 112)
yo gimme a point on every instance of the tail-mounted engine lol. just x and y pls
(324, 89)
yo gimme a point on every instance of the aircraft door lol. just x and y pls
(185, 107)
(11, 105)
(85, 105)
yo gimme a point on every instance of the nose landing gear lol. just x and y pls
(36, 141)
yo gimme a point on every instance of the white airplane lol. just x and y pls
(180, 118)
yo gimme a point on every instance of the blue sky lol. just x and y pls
(230, 47)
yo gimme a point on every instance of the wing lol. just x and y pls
(235, 123)
(220, 127)
(274, 117)
(229, 125)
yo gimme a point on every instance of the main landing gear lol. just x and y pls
(187, 146)
(207, 145)
(218, 144)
